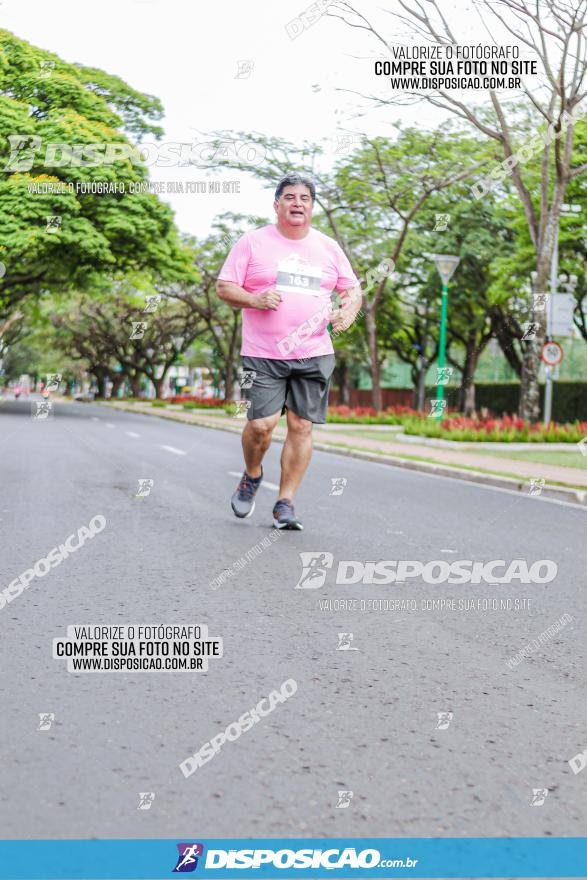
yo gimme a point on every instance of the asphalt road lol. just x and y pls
(363, 720)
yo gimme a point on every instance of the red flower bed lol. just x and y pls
(202, 401)
(393, 415)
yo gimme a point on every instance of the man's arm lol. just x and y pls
(343, 317)
(238, 298)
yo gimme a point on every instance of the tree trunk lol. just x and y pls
(468, 378)
(229, 377)
(159, 385)
(117, 384)
(376, 396)
(135, 385)
(529, 407)
(505, 338)
(100, 377)
(421, 400)
(344, 383)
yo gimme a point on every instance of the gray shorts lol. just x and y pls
(278, 385)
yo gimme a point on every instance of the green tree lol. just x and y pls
(540, 167)
(44, 101)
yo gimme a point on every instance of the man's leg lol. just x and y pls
(296, 454)
(256, 440)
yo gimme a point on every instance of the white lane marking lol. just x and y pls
(448, 551)
(174, 450)
(265, 483)
(109, 425)
(131, 434)
(95, 418)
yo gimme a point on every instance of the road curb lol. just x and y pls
(559, 493)
(573, 496)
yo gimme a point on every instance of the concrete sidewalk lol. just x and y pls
(564, 482)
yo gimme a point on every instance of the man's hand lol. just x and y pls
(343, 317)
(268, 300)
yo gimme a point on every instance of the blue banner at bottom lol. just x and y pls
(382, 857)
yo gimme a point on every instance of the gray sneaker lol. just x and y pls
(243, 499)
(284, 516)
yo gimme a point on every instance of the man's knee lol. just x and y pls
(261, 429)
(299, 426)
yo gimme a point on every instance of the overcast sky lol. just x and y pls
(188, 53)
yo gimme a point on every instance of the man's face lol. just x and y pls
(294, 206)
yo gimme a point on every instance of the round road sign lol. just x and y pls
(552, 353)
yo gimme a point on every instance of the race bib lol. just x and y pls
(298, 276)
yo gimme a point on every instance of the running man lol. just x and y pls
(282, 276)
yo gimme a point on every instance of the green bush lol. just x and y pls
(502, 398)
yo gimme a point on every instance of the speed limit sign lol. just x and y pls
(552, 354)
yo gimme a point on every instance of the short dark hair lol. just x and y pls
(293, 179)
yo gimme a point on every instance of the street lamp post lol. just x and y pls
(446, 265)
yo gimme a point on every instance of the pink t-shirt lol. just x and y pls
(305, 272)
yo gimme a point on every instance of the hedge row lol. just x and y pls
(569, 399)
